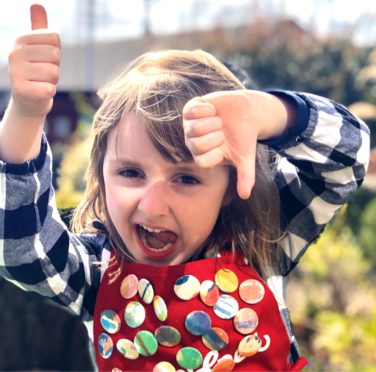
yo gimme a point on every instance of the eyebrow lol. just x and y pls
(125, 162)
(180, 167)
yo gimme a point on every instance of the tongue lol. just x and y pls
(158, 240)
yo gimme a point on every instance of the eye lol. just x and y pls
(130, 173)
(188, 179)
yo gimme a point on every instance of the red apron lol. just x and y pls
(240, 330)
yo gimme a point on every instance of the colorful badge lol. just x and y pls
(110, 321)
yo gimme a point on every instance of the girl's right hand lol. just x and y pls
(34, 67)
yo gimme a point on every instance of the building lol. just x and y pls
(87, 67)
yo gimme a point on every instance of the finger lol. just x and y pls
(199, 127)
(196, 109)
(40, 37)
(246, 177)
(38, 17)
(43, 53)
(43, 72)
(42, 91)
(201, 145)
(209, 159)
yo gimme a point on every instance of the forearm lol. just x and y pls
(334, 146)
(38, 251)
(319, 170)
(20, 136)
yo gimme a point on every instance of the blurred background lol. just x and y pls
(326, 47)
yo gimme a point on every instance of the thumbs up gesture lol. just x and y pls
(34, 67)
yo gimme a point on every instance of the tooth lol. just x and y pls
(151, 229)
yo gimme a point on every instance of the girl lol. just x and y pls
(187, 229)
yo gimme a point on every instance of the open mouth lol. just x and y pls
(157, 241)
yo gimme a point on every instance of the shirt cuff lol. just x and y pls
(28, 167)
(301, 121)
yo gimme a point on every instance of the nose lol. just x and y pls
(154, 201)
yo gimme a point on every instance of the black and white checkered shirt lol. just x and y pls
(321, 163)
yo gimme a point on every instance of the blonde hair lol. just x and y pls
(156, 86)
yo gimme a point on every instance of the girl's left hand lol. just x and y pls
(224, 127)
(217, 129)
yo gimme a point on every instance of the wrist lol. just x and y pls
(276, 114)
(299, 120)
(20, 135)
(17, 114)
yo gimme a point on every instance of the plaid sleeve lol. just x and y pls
(37, 252)
(317, 172)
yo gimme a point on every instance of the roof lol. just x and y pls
(86, 67)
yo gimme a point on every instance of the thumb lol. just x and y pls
(38, 17)
(245, 171)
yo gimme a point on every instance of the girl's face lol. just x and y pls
(163, 211)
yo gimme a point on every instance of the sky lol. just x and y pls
(124, 18)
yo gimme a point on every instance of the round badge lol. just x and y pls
(251, 291)
(127, 349)
(160, 308)
(110, 321)
(129, 286)
(226, 280)
(189, 358)
(226, 307)
(164, 367)
(145, 342)
(246, 321)
(209, 292)
(198, 322)
(105, 345)
(187, 287)
(249, 346)
(146, 291)
(134, 314)
(167, 336)
(215, 339)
